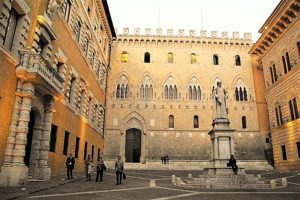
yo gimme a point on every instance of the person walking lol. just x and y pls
(232, 163)
(70, 163)
(100, 167)
(88, 168)
(119, 167)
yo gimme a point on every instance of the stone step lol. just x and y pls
(189, 165)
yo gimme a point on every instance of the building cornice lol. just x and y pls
(283, 17)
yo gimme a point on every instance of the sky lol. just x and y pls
(217, 15)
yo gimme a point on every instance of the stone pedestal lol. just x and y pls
(222, 142)
(222, 147)
(14, 175)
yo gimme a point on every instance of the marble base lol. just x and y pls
(14, 175)
(43, 173)
(222, 171)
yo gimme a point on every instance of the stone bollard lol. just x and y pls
(152, 183)
(174, 179)
(273, 184)
(207, 184)
(190, 176)
(284, 182)
(178, 182)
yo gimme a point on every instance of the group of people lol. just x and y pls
(100, 167)
(165, 159)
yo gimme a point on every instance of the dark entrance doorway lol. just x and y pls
(133, 145)
(29, 138)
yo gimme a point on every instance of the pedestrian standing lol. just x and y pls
(119, 167)
(88, 168)
(70, 163)
(100, 168)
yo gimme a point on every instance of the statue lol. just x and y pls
(220, 104)
(53, 6)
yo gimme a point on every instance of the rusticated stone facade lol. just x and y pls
(277, 54)
(159, 95)
(54, 59)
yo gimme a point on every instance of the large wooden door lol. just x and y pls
(133, 145)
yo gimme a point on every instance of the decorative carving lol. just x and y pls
(53, 6)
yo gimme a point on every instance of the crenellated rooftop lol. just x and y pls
(159, 32)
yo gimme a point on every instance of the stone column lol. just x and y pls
(43, 170)
(143, 144)
(123, 144)
(13, 127)
(14, 172)
(35, 147)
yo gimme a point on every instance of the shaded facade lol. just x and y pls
(160, 95)
(277, 54)
(54, 61)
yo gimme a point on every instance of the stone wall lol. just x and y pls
(183, 141)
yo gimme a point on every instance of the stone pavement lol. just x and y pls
(137, 186)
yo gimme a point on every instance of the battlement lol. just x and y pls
(181, 33)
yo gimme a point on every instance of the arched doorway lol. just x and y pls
(133, 145)
(29, 138)
(33, 141)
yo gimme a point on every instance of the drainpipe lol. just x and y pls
(105, 95)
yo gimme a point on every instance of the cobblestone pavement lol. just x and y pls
(136, 187)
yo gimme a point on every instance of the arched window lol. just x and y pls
(241, 94)
(274, 72)
(284, 65)
(216, 59)
(151, 92)
(199, 93)
(146, 92)
(166, 92)
(196, 122)
(118, 93)
(237, 60)
(126, 91)
(124, 57)
(288, 62)
(171, 121)
(123, 91)
(245, 94)
(244, 122)
(72, 89)
(298, 47)
(170, 58)
(193, 58)
(142, 92)
(190, 93)
(147, 57)
(170, 92)
(194, 93)
(175, 92)
(237, 96)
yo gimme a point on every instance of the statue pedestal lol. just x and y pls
(221, 137)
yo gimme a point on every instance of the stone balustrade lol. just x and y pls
(33, 67)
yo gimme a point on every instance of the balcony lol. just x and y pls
(34, 68)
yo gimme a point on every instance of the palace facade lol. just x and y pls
(277, 54)
(160, 95)
(54, 59)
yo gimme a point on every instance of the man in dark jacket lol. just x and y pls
(232, 163)
(70, 162)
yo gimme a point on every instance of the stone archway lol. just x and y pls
(134, 127)
(33, 140)
(133, 145)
